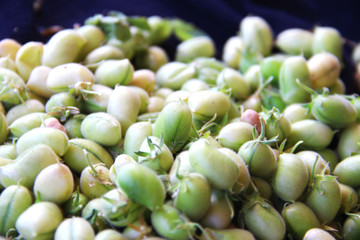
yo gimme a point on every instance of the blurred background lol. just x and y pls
(24, 20)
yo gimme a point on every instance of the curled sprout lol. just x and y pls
(82, 89)
(64, 112)
(153, 154)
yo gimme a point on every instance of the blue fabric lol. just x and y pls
(220, 18)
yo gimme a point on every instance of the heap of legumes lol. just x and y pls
(102, 137)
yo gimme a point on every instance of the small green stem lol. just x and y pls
(271, 140)
(206, 235)
(313, 169)
(306, 88)
(352, 215)
(90, 92)
(282, 146)
(4, 90)
(252, 184)
(195, 130)
(13, 142)
(16, 91)
(267, 82)
(149, 117)
(38, 197)
(206, 127)
(88, 160)
(230, 205)
(208, 124)
(293, 148)
(178, 175)
(77, 199)
(262, 133)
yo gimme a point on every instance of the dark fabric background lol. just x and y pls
(219, 18)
